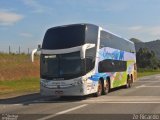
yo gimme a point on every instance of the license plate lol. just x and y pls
(58, 92)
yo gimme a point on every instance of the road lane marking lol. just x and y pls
(71, 109)
(148, 81)
(142, 86)
(124, 102)
(63, 112)
(157, 76)
(150, 86)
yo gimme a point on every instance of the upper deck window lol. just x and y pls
(64, 37)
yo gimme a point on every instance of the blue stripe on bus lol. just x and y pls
(97, 76)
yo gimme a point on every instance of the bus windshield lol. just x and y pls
(61, 66)
(64, 37)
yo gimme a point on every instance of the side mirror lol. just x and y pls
(39, 47)
(32, 54)
(34, 51)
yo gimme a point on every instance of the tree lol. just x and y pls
(147, 59)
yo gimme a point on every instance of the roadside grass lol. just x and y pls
(18, 66)
(147, 72)
(16, 87)
(18, 75)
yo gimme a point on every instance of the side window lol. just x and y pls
(90, 59)
(112, 66)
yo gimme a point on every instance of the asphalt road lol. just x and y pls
(142, 101)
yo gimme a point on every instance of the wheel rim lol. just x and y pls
(129, 84)
(107, 87)
(99, 89)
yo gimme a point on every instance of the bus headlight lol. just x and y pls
(43, 83)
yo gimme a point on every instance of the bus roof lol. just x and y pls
(95, 26)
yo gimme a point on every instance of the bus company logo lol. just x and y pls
(108, 53)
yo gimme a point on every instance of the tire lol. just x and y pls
(106, 88)
(129, 82)
(99, 90)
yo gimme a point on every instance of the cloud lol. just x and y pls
(35, 6)
(135, 28)
(117, 6)
(9, 18)
(142, 32)
(25, 34)
(93, 5)
(153, 31)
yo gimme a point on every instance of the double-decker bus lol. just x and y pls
(82, 59)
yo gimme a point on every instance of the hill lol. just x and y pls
(152, 45)
(135, 40)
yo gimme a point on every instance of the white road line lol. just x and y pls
(63, 112)
(151, 86)
(148, 81)
(142, 86)
(123, 102)
(71, 109)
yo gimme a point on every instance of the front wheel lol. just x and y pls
(99, 89)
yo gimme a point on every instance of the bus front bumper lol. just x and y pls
(68, 91)
(73, 87)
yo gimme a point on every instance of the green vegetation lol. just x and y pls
(18, 75)
(147, 63)
(142, 72)
(147, 59)
(25, 85)
(151, 46)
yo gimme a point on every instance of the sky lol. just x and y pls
(24, 22)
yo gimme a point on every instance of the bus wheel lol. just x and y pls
(99, 90)
(129, 82)
(106, 88)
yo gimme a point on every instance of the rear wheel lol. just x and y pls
(129, 82)
(99, 89)
(106, 88)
